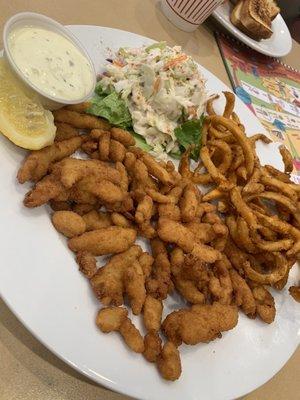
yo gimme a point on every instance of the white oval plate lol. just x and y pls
(278, 45)
(40, 282)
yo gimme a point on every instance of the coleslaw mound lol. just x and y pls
(162, 88)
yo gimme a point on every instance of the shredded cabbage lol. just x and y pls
(162, 88)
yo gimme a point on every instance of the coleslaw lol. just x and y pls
(162, 89)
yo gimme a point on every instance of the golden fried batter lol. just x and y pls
(46, 189)
(81, 121)
(157, 170)
(87, 263)
(220, 283)
(144, 210)
(134, 281)
(72, 170)
(68, 223)
(295, 292)
(200, 323)
(110, 319)
(169, 211)
(60, 205)
(189, 202)
(146, 262)
(104, 144)
(83, 208)
(108, 283)
(122, 136)
(168, 362)
(97, 220)
(174, 232)
(117, 151)
(242, 293)
(119, 220)
(152, 313)
(111, 240)
(152, 343)
(65, 131)
(104, 190)
(132, 336)
(36, 165)
(158, 283)
(265, 305)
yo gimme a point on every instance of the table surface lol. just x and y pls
(28, 371)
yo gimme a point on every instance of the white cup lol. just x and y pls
(188, 14)
(27, 19)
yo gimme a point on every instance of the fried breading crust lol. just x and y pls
(168, 362)
(200, 323)
(111, 240)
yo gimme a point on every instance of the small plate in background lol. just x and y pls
(278, 45)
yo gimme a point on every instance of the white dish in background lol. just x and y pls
(278, 45)
(40, 282)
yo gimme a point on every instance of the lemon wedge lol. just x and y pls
(23, 120)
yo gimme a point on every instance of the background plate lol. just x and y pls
(278, 45)
(40, 282)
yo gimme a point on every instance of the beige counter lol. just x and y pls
(28, 371)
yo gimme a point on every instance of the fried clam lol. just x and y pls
(97, 220)
(68, 223)
(37, 163)
(71, 170)
(168, 362)
(112, 319)
(189, 202)
(159, 281)
(110, 240)
(295, 292)
(108, 282)
(176, 233)
(65, 131)
(185, 283)
(200, 323)
(243, 296)
(134, 283)
(46, 189)
(152, 313)
(153, 346)
(220, 283)
(78, 120)
(265, 304)
(87, 263)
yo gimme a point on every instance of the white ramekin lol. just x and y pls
(28, 18)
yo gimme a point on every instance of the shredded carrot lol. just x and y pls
(118, 63)
(175, 61)
(156, 85)
(192, 111)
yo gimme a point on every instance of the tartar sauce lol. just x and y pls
(51, 62)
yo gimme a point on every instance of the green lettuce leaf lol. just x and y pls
(158, 45)
(111, 107)
(190, 133)
(141, 142)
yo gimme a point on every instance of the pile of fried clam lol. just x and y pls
(220, 251)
